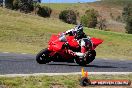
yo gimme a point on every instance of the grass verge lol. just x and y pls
(71, 81)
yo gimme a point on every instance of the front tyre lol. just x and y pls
(43, 56)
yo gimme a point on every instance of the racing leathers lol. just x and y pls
(78, 34)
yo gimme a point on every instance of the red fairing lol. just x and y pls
(55, 44)
(96, 42)
(72, 41)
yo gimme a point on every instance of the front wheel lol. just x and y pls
(43, 56)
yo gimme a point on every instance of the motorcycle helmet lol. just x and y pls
(79, 27)
(79, 31)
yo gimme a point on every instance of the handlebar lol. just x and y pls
(62, 37)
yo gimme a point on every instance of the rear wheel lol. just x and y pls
(91, 57)
(43, 56)
(81, 61)
(88, 59)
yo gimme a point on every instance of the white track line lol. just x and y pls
(24, 53)
(18, 53)
(105, 58)
(74, 73)
(5, 52)
(122, 59)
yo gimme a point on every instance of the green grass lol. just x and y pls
(29, 34)
(82, 7)
(62, 6)
(71, 81)
(77, 7)
(115, 45)
(116, 2)
(108, 9)
(26, 33)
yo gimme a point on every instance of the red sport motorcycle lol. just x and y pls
(62, 48)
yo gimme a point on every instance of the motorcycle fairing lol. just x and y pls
(96, 42)
(55, 44)
(72, 41)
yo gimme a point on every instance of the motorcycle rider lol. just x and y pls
(78, 33)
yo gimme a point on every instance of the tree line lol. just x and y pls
(27, 6)
(90, 19)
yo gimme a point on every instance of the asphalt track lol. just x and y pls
(11, 63)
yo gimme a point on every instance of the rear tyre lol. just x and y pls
(92, 55)
(80, 61)
(43, 56)
(86, 60)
